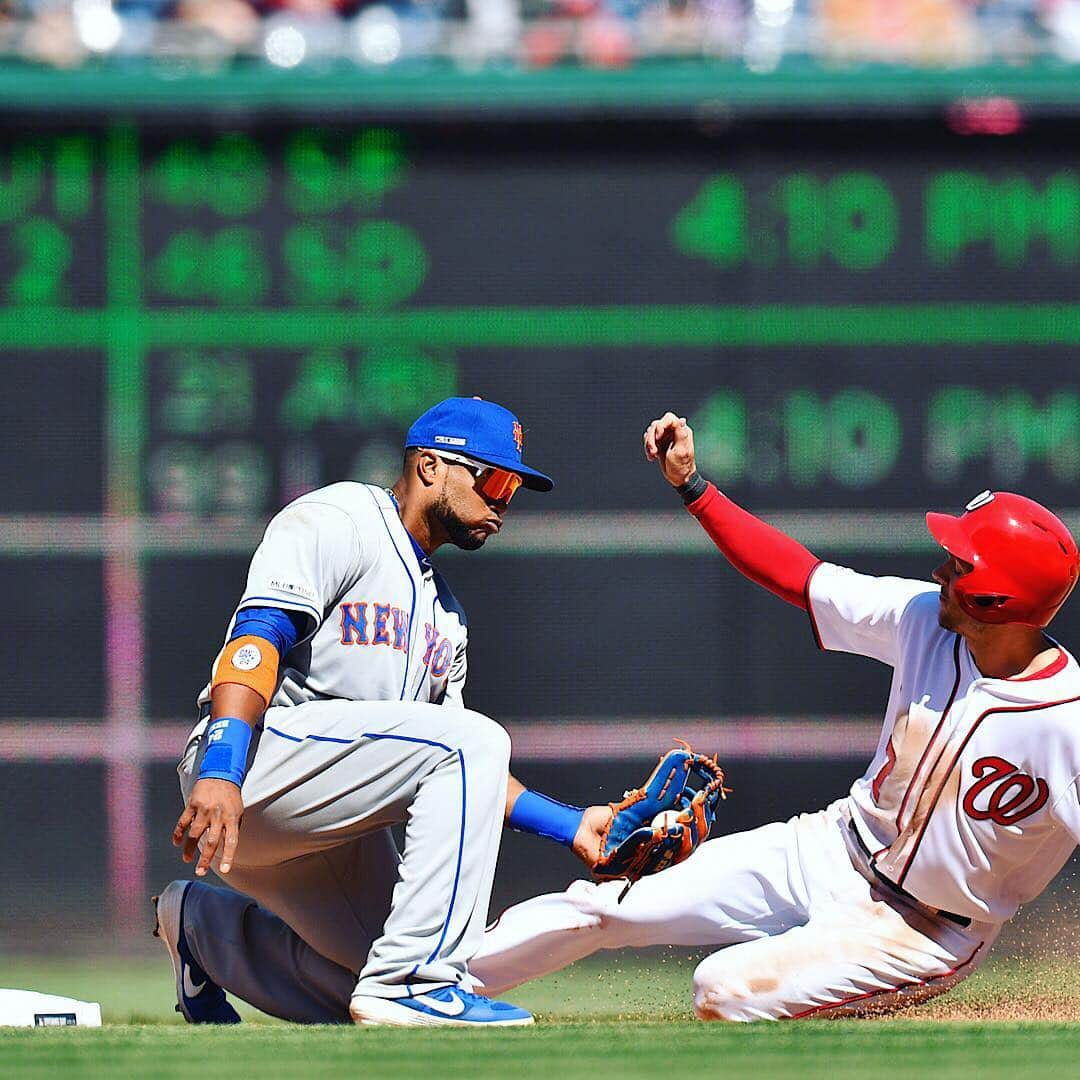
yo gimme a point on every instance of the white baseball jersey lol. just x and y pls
(384, 625)
(971, 802)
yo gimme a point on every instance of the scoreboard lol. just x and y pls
(201, 320)
(215, 320)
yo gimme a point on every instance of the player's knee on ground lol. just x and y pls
(723, 994)
(721, 1002)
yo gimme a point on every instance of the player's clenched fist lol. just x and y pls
(589, 839)
(211, 820)
(670, 441)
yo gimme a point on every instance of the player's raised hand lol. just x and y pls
(670, 441)
(211, 821)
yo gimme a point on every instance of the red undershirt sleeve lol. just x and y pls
(756, 550)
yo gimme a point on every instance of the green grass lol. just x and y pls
(625, 1016)
(552, 1052)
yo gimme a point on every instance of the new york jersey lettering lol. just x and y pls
(354, 624)
(382, 614)
(361, 627)
(431, 637)
(440, 662)
(401, 629)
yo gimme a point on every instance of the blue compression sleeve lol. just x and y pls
(543, 816)
(271, 624)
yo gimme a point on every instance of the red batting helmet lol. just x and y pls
(1025, 559)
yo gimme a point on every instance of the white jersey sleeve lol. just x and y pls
(308, 553)
(860, 614)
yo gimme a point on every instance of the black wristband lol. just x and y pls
(694, 488)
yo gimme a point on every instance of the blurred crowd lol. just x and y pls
(539, 33)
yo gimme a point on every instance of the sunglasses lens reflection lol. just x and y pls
(501, 485)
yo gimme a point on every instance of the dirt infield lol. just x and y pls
(1031, 974)
(1057, 1009)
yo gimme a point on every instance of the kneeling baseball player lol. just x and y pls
(969, 808)
(334, 712)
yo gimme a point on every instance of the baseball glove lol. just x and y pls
(691, 785)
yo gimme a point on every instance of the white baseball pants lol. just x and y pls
(326, 781)
(804, 933)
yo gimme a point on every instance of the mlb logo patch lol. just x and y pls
(519, 436)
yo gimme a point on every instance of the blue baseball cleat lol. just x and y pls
(450, 1006)
(200, 999)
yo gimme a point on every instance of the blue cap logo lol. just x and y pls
(480, 430)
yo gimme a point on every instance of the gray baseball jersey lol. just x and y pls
(357, 738)
(384, 624)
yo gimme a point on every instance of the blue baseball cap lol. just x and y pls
(476, 429)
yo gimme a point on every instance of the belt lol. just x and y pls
(875, 877)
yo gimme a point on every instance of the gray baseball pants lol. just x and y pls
(333, 898)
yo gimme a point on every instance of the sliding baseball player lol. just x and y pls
(969, 808)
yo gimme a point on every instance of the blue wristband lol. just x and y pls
(227, 741)
(536, 813)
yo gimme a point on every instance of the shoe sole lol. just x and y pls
(167, 910)
(385, 1012)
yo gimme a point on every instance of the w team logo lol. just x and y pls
(1002, 794)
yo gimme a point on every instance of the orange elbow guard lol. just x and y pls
(250, 661)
